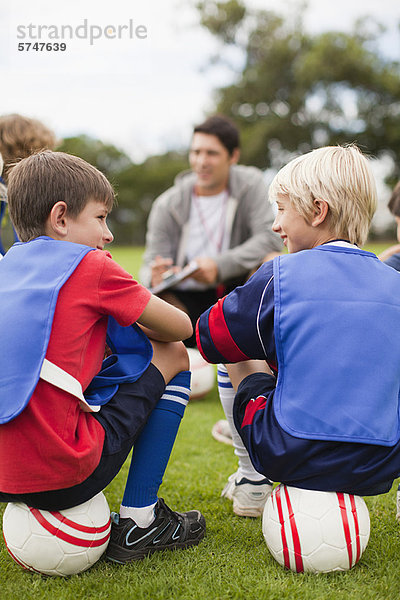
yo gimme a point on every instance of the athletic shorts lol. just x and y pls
(123, 419)
(361, 469)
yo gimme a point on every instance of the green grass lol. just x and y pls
(130, 257)
(378, 247)
(232, 562)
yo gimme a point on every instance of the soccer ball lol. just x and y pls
(319, 532)
(57, 543)
(203, 374)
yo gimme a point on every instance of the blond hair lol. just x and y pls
(340, 175)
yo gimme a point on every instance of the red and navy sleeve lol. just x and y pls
(240, 326)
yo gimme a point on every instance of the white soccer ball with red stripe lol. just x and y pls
(319, 532)
(203, 374)
(57, 543)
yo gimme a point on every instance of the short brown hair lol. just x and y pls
(223, 128)
(21, 136)
(394, 202)
(38, 182)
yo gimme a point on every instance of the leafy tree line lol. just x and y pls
(291, 91)
(296, 91)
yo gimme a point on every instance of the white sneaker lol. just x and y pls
(222, 432)
(249, 497)
(398, 504)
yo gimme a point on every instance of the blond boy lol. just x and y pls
(319, 409)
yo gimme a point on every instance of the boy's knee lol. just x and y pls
(170, 358)
(182, 357)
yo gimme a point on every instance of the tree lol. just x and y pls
(106, 157)
(295, 91)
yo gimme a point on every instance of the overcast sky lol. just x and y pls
(140, 89)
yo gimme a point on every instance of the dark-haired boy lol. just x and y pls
(60, 296)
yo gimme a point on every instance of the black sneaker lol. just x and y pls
(169, 530)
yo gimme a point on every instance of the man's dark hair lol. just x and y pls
(394, 202)
(223, 128)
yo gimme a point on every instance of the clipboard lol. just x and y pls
(172, 279)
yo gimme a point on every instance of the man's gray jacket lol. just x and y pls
(249, 221)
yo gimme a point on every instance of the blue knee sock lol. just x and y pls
(153, 448)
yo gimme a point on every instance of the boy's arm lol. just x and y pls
(241, 326)
(164, 322)
(388, 252)
(130, 302)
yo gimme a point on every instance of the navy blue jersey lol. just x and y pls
(393, 261)
(325, 319)
(272, 320)
(240, 326)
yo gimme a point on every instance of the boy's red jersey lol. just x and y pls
(53, 444)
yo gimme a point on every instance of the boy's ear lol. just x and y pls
(57, 225)
(321, 209)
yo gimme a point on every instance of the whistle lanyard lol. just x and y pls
(214, 237)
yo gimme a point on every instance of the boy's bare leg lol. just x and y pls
(239, 371)
(170, 358)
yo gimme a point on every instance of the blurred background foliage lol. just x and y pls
(291, 91)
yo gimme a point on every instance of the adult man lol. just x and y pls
(217, 215)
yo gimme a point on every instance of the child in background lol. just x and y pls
(313, 334)
(59, 294)
(19, 137)
(3, 200)
(391, 256)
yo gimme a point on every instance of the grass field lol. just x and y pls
(232, 562)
